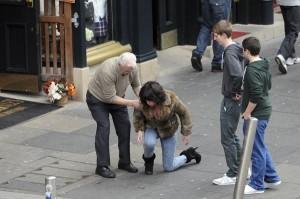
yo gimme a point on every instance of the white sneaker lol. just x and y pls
(296, 60)
(281, 63)
(272, 185)
(225, 180)
(291, 61)
(249, 190)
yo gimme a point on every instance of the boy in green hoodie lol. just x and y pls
(256, 103)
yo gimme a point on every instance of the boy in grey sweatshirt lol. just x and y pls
(231, 103)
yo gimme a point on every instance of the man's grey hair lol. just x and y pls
(129, 59)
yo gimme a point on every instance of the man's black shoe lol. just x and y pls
(105, 172)
(128, 167)
(196, 62)
(216, 68)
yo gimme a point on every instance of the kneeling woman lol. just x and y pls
(158, 118)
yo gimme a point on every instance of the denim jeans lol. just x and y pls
(168, 145)
(229, 119)
(291, 15)
(212, 12)
(263, 168)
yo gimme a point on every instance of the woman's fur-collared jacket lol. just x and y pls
(166, 124)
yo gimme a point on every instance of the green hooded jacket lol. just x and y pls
(257, 83)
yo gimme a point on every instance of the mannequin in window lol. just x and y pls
(89, 13)
(100, 20)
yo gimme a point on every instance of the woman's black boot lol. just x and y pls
(149, 164)
(191, 154)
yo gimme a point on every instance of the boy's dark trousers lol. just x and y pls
(229, 119)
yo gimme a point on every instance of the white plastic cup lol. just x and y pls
(50, 183)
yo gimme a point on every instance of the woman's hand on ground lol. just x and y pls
(185, 139)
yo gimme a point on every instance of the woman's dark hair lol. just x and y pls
(252, 44)
(152, 91)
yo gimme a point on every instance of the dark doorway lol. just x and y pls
(19, 49)
(164, 23)
(189, 23)
(155, 23)
(175, 22)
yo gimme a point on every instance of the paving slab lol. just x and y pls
(63, 142)
(286, 87)
(289, 173)
(89, 158)
(285, 120)
(76, 166)
(277, 137)
(77, 111)
(87, 130)
(10, 170)
(59, 123)
(40, 179)
(38, 188)
(159, 185)
(17, 134)
(22, 155)
(65, 173)
(14, 195)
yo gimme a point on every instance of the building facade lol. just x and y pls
(101, 29)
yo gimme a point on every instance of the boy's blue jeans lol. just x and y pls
(263, 168)
(168, 145)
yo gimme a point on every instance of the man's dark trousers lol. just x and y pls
(291, 15)
(100, 112)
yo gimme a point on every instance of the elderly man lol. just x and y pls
(105, 95)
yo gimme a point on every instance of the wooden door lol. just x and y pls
(19, 49)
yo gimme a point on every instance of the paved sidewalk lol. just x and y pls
(14, 195)
(61, 143)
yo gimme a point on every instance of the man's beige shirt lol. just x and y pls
(108, 81)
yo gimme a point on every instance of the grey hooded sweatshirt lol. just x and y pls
(233, 65)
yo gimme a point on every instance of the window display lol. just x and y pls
(96, 22)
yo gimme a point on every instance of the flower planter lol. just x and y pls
(63, 101)
(56, 89)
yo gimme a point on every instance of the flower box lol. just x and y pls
(58, 92)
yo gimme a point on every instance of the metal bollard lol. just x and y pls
(50, 186)
(245, 159)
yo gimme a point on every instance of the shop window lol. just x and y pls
(96, 20)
